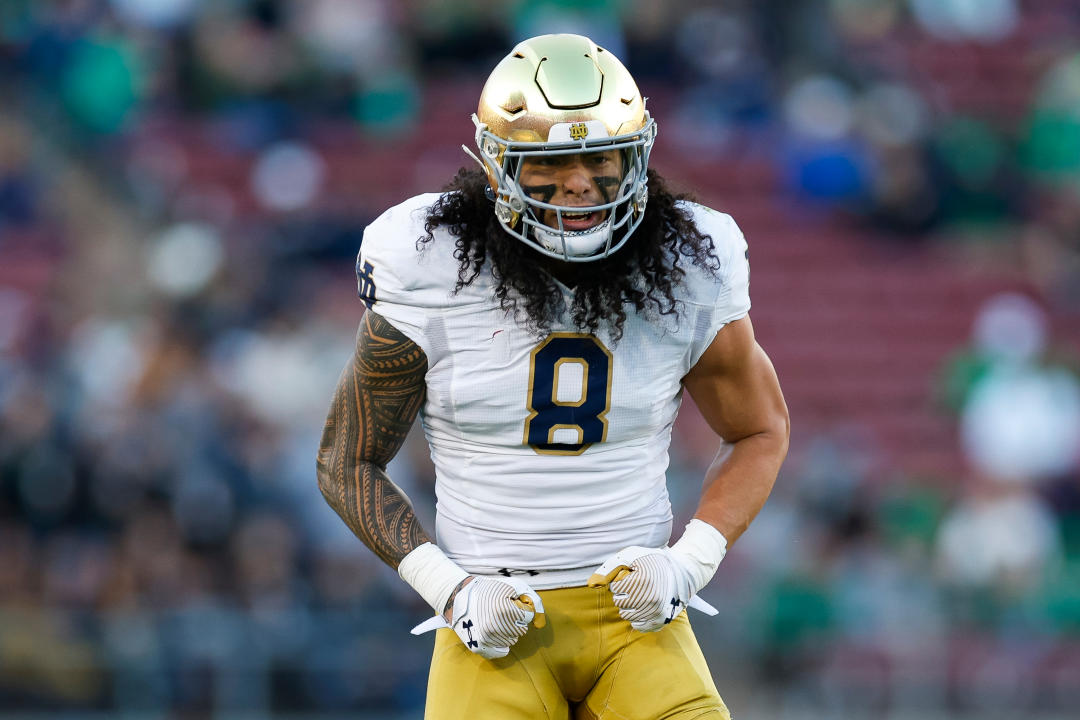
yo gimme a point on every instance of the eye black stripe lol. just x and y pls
(545, 192)
(606, 183)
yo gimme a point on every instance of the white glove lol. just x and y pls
(651, 586)
(491, 614)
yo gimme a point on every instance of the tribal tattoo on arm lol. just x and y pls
(376, 401)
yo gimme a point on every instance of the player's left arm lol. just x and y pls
(736, 389)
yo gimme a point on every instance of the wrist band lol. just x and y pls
(700, 550)
(427, 569)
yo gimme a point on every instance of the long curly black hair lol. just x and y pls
(641, 277)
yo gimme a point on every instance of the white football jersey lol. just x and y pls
(550, 452)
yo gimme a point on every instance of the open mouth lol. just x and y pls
(575, 221)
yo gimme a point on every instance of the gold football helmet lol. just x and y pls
(563, 95)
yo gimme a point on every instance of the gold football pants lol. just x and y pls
(587, 663)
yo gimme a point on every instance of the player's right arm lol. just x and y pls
(376, 401)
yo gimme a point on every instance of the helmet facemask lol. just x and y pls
(557, 96)
(522, 213)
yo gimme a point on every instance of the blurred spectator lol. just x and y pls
(1019, 411)
(184, 258)
(958, 20)
(709, 62)
(598, 19)
(18, 191)
(1051, 154)
(102, 83)
(1052, 142)
(824, 159)
(1020, 429)
(287, 176)
(463, 37)
(994, 551)
(157, 14)
(979, 184)
(866, 20)
(1050, 244)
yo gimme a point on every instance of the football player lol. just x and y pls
(544, 316)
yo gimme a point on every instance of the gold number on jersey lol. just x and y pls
(569, 394)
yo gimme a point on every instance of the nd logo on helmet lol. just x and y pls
(579, 131)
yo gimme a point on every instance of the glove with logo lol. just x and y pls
(491, 614)
(488, 614)
(651, 586)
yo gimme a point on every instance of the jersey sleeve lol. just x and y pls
(393, 277)
(724, 297)
(734, 300)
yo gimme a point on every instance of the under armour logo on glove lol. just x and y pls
(675, 605)
(647, 586)
(468, 628)
(644, 582)
(491, 614)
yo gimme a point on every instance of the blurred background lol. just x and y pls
(183, 189)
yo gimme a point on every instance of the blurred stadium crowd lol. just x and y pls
(184, 184)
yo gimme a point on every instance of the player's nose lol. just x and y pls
(576, 179)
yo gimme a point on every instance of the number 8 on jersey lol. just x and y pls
(569, 394)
